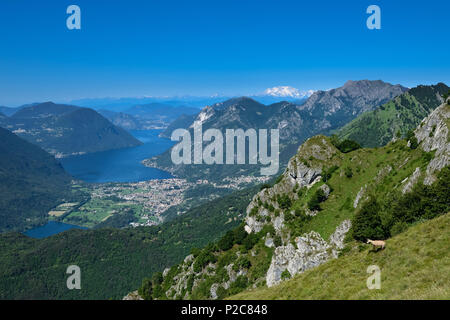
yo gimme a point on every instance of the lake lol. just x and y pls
(121, 165)
(49, 229)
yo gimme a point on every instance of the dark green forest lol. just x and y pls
(113, 262)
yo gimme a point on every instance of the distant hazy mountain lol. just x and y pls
(269, 96)
(64, 130)
(377, 127)
(334, 108)
(183, 121)
(323, 112)
(9, 111)
(160, 111)
(31, 183)
(123, 120)
(122, 104)
(5, 110)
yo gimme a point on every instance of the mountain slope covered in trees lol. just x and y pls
(64, 130)
(323, 112)
(394, 119)
(31, 183)
(112, 261)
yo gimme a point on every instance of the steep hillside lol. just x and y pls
(31, 183)
(64, 130)
(414, 265)
(326, 195)
(8, 111)
(336, 107)
(322, 112)
(123, 120)
(395, 118)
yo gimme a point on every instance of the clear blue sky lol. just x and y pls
(232, 47)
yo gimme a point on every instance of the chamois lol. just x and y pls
(377, 243)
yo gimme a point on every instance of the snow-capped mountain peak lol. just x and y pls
(288, 92)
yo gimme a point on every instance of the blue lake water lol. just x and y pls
(49, 229)
(122, 165)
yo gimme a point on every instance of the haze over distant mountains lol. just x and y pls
(64, 130)
(147, 116)
(270, 95)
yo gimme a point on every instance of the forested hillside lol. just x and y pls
(112, 261)
(31, 183)
(394, 119)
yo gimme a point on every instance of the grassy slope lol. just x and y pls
(414, 265)
(366, 165)
(376, 128)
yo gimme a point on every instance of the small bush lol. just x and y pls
(317, 198)
(146, 289)
(277, 241)
(367, 222)
(285, 275)
(265, 186)
(346, 145)
(399, 227)
(284, 201)
(348, 172)
(254, 211)
(327, 173)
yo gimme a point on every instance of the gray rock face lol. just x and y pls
(359, 196)
(213, 291)
(432, 134)
(355, 97)
(303, 175)
(411, 181)
(297, 175)
(326, 190)
(337, 238)
(269, 242)
(133, 296)
(311, 251)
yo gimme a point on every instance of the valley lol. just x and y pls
(218, 233)
(196, 154)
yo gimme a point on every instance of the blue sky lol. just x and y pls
(233, 47)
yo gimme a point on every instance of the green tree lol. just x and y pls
(367, 222)
(146, 289)
(226, 242)
(317, 198)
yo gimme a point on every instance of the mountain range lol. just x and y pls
(394, 119)
(147, 116)
(326, 204)
(323, 112)
(65, 130)
(327, 200)
(268, 96)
